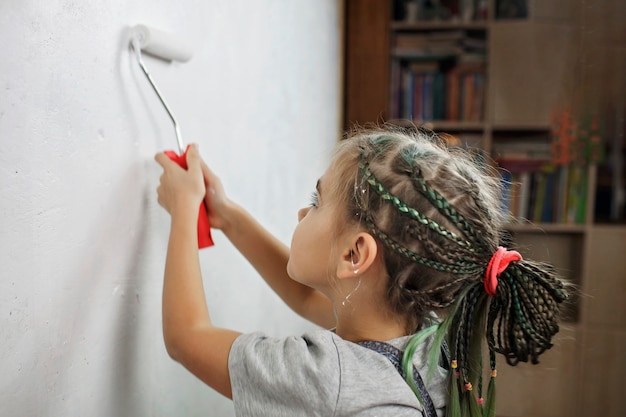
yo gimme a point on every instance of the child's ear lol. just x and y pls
(358, 256)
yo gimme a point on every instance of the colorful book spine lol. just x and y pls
(425, 92)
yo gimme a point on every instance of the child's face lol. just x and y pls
(311, 259)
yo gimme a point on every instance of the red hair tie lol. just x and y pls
(498, 263)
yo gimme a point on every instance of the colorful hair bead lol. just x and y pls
(494, 373)
(454, 364)
(480, 400)
(468, 386)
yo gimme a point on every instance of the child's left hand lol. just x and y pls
(181, 190)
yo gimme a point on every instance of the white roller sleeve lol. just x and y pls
(161, 44)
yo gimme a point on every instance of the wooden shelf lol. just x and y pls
(455, 126)
(438, 25)
(444, 125)
(546, 228)
(530, 127)
(421, 56)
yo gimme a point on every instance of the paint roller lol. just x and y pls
(168, 47)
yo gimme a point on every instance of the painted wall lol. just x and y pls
(82, 239)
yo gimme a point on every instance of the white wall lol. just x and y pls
(82, 239)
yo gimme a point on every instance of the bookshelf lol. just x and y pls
(492, 83)
(533, 67)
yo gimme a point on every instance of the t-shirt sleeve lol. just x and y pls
(284, 377)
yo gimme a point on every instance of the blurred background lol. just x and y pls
(537, 89)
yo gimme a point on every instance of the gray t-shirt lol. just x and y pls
(320, 374)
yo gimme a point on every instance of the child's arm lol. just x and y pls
(269, 257)
(190, 337)
(266, 253)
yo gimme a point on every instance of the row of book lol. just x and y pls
(421, 91)
(541, 192)
(442, 10)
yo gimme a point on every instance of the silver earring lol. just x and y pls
(355, 270)
(347, 299)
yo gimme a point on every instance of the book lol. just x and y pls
(408, 79)
(418, 105)
(514, 204)
(506, 180)
(549, 198)
(453, 94)
(576, 195)
(439, 96)
(539, 201)
(476, 112)
(427, 96)
(468, 95)
(524, 192)
(581, 209)
(561, 197)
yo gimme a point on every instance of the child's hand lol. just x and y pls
(180, 189)
(218, 205)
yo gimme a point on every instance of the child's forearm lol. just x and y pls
(189, 335)
(184, 303)
(269, 257)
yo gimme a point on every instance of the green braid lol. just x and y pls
(525, 310)
(456, 268)
(445, 208)
(385, 195)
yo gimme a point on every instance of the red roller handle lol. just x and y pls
(204, 228)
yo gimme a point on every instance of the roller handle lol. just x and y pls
(204, 227)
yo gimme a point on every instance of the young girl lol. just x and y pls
(398, 254)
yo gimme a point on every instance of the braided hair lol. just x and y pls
(435, 211)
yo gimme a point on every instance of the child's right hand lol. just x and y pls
(219, 207)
